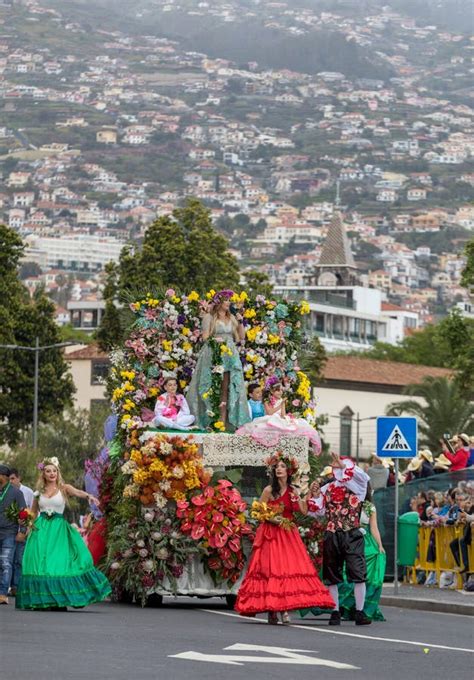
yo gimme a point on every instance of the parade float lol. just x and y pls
(174, 521)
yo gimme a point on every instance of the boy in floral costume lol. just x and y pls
(341, 502)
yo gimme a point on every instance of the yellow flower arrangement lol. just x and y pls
(252, 333)
(205, 395)
(175, 299)
(273, 339)
(187, 346)
(219, 425)
(210, 294)
(304, 308)
(262, 512)
(249, 373)
(250, 313)
(304, 387)
(186, 331)
(128, 405)
(127, 375)
(167, 345)
(225, 350)
(193, 296)
(153, 391)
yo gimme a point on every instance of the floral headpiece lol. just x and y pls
(48, 461)
(291, 463)
(272, 380)
(221, 296)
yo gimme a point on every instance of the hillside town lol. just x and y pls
(300, 171)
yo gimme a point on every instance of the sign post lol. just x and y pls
(396, 438)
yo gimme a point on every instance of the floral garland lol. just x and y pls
(311, 531)
(212, 398)
(216, 518)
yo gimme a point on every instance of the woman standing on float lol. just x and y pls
(57, 569)
(221, 325)
(281, 575)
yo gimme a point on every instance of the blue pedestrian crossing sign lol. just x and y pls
(397, 437)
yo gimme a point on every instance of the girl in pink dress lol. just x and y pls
(276, 423)
(171, 409)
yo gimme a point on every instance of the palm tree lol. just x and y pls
(443, 407)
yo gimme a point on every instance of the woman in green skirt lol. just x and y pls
(57, 571)
(376, 562)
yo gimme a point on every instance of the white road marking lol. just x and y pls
(316, 629)
(280, 656)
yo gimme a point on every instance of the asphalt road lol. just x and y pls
(194, 639)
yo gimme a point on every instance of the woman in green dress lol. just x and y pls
(376, 562)
(221, 325)
(58, 570)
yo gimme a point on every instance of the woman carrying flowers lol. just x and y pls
(276, 423)
(217, 387)
(281, 575)
(58, 570)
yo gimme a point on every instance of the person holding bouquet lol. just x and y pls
(58, 570)
(280, 575)
(171, 409)
(11, 531)
(221, 331)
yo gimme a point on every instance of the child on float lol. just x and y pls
(269, 428)
(171, 409)
(256, 407)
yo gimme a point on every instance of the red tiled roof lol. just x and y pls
(372, 371)
(90, 352)
(389, 307)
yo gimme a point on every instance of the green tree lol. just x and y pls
(258, 283)
(445, 408)
(312, 360)
(468, 272)
(183, 251)
(21, 321)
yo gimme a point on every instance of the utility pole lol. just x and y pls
(36, 349)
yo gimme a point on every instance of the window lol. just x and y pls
(345, 439)
(99, 371)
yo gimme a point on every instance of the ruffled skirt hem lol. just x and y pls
(43, 592)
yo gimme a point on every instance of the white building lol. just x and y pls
(77, 252)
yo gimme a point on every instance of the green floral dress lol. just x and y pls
(57, 569)
(237, 405)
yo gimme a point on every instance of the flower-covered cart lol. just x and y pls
(174, 522)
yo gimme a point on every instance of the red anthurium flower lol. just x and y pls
(198, 500)
(197, 532)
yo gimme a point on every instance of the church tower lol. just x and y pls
(336, 266)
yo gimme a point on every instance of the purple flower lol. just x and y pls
(181, 319)
(177, 570)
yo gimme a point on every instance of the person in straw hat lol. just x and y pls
(426, 463)
(413, 469)
(441, 464)
(460, 456)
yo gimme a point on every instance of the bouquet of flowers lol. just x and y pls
(263, 512)
(216, 518)
(23, 517)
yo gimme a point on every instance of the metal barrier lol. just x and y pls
(384, 500)
(444, 560)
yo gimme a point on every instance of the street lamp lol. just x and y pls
(36, 349)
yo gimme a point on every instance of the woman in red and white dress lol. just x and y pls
(281, 575)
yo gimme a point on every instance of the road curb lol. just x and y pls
(428, 605)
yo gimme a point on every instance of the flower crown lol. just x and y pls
(48, 461)
(291, 463)
(222, 295)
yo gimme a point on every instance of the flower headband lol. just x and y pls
(221, 296)
(291, 463)
(48, 461)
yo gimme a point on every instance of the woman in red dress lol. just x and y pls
(280, 575)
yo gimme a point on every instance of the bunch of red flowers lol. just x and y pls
(216, 518)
